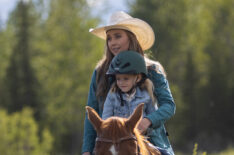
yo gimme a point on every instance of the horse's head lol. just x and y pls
(116, 136)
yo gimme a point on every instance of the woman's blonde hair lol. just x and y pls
(103, 65)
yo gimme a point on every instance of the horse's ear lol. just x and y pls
(94, 117)
(135, 117)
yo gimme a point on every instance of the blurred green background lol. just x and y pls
(47, 57)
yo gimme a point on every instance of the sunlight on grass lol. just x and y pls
(229, 151)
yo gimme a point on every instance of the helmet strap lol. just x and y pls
(121, 97)
(132, 89)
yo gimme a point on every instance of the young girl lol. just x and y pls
(131, 86)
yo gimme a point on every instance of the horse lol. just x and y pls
(120, 136)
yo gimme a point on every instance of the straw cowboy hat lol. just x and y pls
(121, 20)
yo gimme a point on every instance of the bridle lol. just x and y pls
(118, 141)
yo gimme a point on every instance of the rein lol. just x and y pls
(118, 141)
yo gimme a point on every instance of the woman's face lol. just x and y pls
(117, 41)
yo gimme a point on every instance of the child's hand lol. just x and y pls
(144, 125)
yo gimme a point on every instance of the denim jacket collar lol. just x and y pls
(138, 94)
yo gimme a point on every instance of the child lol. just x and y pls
(131, 86)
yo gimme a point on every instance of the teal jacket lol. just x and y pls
(165, 111)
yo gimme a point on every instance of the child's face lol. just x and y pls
(126, 81)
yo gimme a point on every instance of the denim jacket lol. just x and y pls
(112, 105)
(165, 111)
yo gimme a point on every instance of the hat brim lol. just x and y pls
(143, 31)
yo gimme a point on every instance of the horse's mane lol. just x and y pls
(140, 140)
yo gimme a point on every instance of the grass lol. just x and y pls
(229, 151)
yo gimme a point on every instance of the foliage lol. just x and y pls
(193, 45)
(194, 42)
(66, 56)
(20, 82)
(228, 151)
(62, 55)
(19, 134)
(195, 150)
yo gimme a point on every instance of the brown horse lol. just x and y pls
(119, 136)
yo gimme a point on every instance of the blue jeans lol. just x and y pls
(163, 151)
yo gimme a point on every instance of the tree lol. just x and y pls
(191, 100)
(7, 41)
(21, 82)
(19, 134)
(220, 83)
(194, 42)
(167, 19)
(66, 56)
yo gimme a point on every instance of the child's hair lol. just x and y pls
(144, 84)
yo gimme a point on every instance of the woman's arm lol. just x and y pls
(164, 97)
(145, 122)
(89, 132)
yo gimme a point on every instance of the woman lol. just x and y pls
(127, 33)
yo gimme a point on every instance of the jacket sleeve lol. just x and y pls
(164, 97)
(89, 132)
(108, 107)
(149, 106)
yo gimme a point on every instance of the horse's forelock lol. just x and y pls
(114, 126)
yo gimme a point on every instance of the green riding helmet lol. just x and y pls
(127, 62)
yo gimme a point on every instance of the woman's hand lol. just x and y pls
(86, 153)
(144, 125)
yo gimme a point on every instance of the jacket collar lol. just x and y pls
(138, 94)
